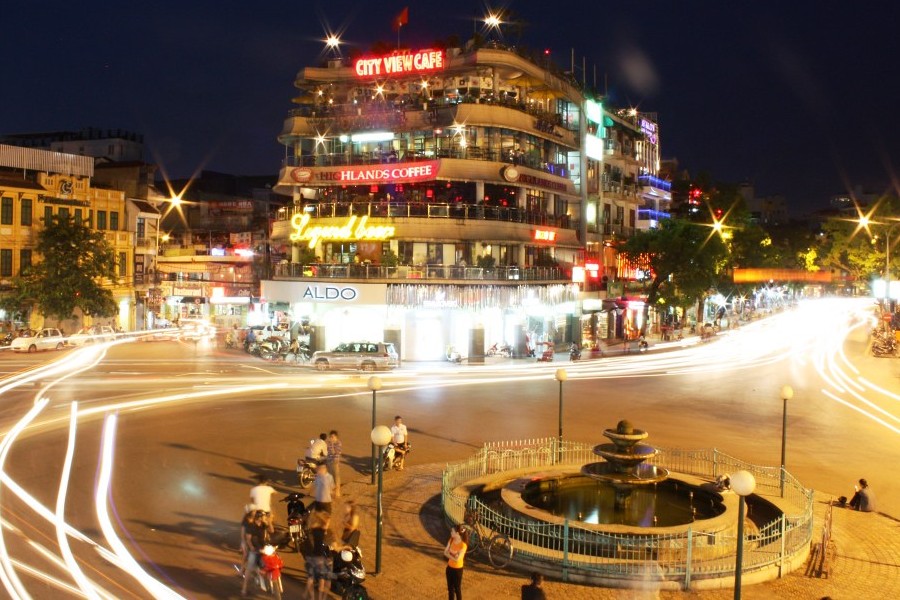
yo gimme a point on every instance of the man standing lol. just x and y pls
(335, 449)
(324, 487)
(400, 437)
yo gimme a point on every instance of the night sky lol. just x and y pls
(799, 97)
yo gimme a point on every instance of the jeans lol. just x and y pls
(454, 583)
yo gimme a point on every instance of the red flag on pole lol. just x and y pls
(401, 19)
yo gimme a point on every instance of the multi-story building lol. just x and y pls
(37, 184)
(450, 198)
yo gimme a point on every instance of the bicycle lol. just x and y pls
(498, 546)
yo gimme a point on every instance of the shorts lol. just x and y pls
(318, 568)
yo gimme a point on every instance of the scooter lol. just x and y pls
(270, 572)
(454, 356)
(496, 350)
(296, 519)
(394, 454)
(306, 471)
(297, 353)
(574, 352)
(349, 574)
(547, 354)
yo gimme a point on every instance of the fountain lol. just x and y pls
(621, 489)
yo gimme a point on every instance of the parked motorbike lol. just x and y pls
(496, 350)
(349, 574)
(306, 471)
(7, 339)
(884, 345)
(296, 519)
(272, 348)
(574, 352)
(453, 355)
(230, 341)
(547, 354)
(393, 455)
(270, 572)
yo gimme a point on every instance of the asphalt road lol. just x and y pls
(211, 419)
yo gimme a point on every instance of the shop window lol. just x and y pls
(435, 254)
(64, 212)
(405, 252)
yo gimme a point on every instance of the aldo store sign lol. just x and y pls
(332, 293)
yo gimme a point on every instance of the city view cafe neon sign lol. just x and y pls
(400, 63)
(355, 229)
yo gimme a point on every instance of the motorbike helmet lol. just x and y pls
(268, 550)
(346, 556)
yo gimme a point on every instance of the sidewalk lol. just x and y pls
(865, 559)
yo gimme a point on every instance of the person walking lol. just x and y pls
(335, 449)
(317, 555)
(455, 551)
(324, 488)
(535, 589)
(400, 438)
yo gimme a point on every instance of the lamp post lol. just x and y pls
(787, 392)
(742, 483)
(374, 384)
(561, 375)
(381, 437)
(865, 221)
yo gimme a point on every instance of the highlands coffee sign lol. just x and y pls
(400, 63)
(368, 174)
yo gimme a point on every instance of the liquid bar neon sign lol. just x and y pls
(351, 230)
(400, 63)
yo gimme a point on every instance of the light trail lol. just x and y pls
(793, 339)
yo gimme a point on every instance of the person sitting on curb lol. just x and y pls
(863, 500)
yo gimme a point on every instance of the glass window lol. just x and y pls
(113, 220)
(24, 259)
(64, 212)
(123, 264)
(101, 219)
(25, 210)
(5, 263)
(48, 214)
(6, 211)
(79, 216)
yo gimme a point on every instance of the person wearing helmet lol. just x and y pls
(256, 537)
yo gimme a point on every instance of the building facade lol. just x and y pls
(453, 198)
(37, 184)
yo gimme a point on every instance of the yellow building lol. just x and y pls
(36, 184)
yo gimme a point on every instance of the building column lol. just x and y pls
(476, 346)
(479, 192)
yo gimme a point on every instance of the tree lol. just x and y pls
(74, 262)
(857, 250)
(685, 260)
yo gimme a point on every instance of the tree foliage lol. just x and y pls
(74, 262)
(685, 260)
(861, 251)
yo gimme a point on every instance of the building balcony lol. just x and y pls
(429, 273)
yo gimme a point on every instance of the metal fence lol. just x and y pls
(571, 548)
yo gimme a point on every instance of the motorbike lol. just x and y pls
(272, 348)
(496, 350)
(306, 471)
(453, 355)
(7, 339)
(393, 455)
(296, 519)
(547, 354)
(349, 574)
(574, 353)
(884, 345)
(270, 572)
(298, 352)
(230, 341)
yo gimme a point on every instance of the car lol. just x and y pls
(365, 356)
(49, 338)
(91, 335)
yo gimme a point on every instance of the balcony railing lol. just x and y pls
(423, 272)
(455, 210)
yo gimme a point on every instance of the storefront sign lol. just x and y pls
(330, 293)
(366, 175)
(356, 228)
(544, 235)
(400, 63)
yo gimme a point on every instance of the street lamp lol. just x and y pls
(865, 221)
(787, 392)
(381, 437)
(742, 483)
(561, 375)
(374, 384)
